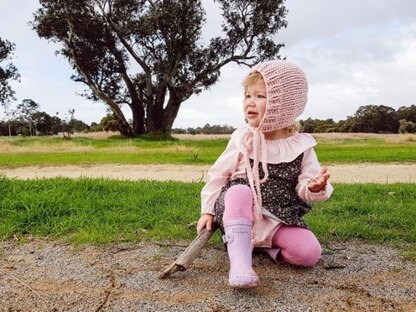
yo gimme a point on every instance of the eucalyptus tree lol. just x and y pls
(25, 113)
(150, 54)
(8, 72)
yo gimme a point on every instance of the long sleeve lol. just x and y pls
(311, 169)
(218, 175)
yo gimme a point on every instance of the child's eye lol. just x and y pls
(261, 96)
(248, 96)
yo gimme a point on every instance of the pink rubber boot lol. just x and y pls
(237, 220)
(239, 247)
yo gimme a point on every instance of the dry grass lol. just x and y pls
(136, 149)
(64, 146)
(391, 138)
(334, 136)
(201, 136)
(96, 135)
(402, 138)
(71, 147)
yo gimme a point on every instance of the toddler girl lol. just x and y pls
(260, 186)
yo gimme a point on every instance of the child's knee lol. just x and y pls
(310, 255)
(306, 255)
(238, 202)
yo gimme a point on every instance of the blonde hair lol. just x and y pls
(296, 127)
(252, 79)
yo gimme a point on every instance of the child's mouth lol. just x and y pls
(252, 114)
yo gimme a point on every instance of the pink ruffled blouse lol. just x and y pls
(230, 165)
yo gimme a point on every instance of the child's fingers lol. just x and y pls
(199, 227)
(209, 224)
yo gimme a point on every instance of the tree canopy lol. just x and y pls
(149, 55)
(7, 72)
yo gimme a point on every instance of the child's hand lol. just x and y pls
(317, 184)
(205, 221)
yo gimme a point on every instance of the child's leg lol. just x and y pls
(237, 219)
(299, 246)
(238, 202)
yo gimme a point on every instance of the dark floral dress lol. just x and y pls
(278, 193)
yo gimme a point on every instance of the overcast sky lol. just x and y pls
(353, 52)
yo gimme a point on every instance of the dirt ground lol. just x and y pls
(51, 276)
(42, 275)
(349, 173)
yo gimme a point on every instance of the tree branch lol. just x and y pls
(116, 109)
(146, 69)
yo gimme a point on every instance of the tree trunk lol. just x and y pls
(170, 112)
(153, 121)
(138, 118)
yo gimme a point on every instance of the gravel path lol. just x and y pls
(349, 173)
(51, 276)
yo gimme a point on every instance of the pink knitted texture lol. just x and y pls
(257, 141)
(287, 94)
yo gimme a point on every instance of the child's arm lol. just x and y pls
(218, 175)
(313, 182)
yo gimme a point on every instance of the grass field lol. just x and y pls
(101, 211)
(331, 149)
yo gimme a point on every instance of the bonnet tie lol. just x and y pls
(255, 142)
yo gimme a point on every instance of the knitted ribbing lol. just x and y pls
(287, 94)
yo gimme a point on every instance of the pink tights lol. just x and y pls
(297, 245)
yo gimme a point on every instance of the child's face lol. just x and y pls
(255, 99)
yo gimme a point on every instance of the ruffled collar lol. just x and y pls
(279, 150)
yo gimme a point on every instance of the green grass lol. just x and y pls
(102, 211)
(18, 152)
(56, 151)
(356, 153)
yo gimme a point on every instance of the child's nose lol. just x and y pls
(251, 102)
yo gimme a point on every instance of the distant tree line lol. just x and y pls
(207, 129)
(370, 119)
(27, 119)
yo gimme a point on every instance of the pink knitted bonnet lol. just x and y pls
(287, 94)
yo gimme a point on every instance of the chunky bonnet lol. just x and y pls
(287, 94)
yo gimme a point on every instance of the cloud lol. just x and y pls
(354, 53)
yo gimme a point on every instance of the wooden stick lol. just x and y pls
(185, 259)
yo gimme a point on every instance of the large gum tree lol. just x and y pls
(149, 55)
